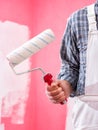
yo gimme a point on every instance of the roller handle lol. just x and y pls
(48, 79)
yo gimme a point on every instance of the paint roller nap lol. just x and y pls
(31, 47)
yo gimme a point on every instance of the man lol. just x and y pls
(79, 70)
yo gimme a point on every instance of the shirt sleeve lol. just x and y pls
(70, 57)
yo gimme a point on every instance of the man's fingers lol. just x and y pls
(57, 98)
(55, 92)
(53, 86)
(61, 100)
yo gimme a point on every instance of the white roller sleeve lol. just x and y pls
(31, 47)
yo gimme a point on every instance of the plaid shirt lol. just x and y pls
(73, 50)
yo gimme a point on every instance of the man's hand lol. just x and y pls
(59, 91)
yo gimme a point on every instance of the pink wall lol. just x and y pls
(39, 15)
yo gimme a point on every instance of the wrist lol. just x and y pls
(67, 87)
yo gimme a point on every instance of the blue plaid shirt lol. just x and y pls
(73, 50)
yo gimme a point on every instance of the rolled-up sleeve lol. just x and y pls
(69, 57)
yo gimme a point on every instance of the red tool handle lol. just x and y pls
(48, 79)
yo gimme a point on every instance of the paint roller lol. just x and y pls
(28, 49)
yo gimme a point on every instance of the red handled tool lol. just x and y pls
(29, 48)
